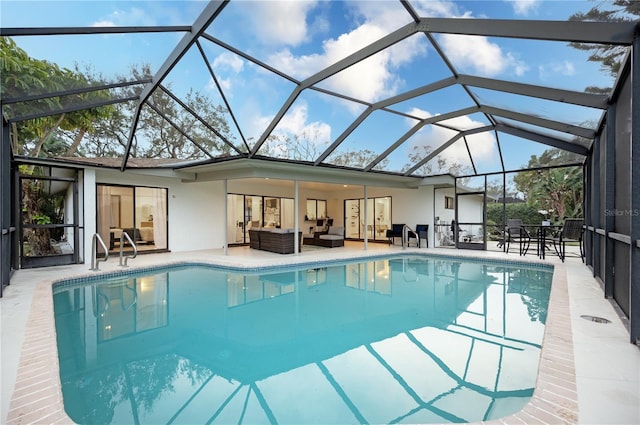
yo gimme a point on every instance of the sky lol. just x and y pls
(300, 38)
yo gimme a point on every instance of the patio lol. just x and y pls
(569, 390)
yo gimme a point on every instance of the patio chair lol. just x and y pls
(413, 236)
(500, 234)
(418, 235)
(394, 232)
(516, 233)
(572, 231)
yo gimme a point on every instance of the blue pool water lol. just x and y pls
(405, 339)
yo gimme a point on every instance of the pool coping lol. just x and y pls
(37, 395)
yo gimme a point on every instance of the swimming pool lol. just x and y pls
(397, 340)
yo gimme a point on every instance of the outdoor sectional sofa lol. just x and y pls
(279, 241)
(331, 238)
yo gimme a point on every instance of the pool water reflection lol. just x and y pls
(404, 339)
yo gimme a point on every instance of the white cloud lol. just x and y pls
(438, 9)
(386, 15)
(298, 66)
(104, 23)
(479, 54)
(550, 70)
(375, 77)
(295, 122)
(132, 17)
(481, 145)
(251, 119)
(416, 112)
(281, 22)
(369, 80)
(229, 61)
(524, 7)
(224, 64)
(473, 53)
(225, 84)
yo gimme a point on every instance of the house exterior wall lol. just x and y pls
(445, 215)
(470, 208)
(195, 212)
(88, 211)
(196, 209)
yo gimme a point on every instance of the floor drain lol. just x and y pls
(596, 319)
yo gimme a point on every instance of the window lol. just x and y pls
(448, 202)
(316, 209)
(138, 211)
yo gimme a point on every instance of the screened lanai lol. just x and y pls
(397, 90)
(395, 87)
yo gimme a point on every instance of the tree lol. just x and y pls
(357, 159)
(610, 56)
(437, 165)
(305, 146)
(156, 135)
(39, 207)
(557, 190)
(158, 138)
(23, 76)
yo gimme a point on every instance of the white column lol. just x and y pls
(366, 223)
(296, 224)
(89, 209)
(225, 233)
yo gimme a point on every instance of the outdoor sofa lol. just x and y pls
(279, 241)
(331, 238)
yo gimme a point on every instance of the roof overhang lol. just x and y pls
(264, 168)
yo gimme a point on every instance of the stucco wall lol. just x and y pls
(196, 209)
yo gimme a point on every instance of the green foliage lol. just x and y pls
(527, 213)
(557, 190)
(41, 219)
(21, 75)
(610, 56)
(166, 130)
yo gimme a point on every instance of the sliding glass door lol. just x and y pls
(248, 211)
(378, 218)
(140, 212)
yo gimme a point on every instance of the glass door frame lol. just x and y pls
(353, 216)
(469, 226)
(137, 222)
(73, 226)
(255, 214)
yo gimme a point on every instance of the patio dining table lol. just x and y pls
(542, 232)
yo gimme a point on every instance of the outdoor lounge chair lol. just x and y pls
(572, 231)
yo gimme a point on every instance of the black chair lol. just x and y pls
(394, 232)
(516, 233)
(413, 236)
(500, 234)
(572, 231)
(423, 234)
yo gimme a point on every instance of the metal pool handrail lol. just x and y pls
(94, 260)
(135, 248)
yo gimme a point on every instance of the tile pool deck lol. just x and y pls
(589, 372)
